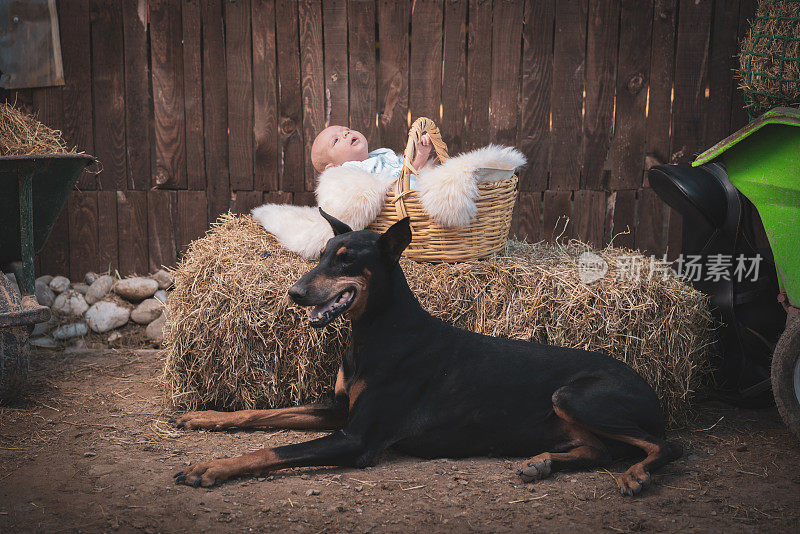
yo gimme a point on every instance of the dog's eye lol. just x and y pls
(345, 257)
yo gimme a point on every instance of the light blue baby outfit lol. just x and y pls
(382, 161)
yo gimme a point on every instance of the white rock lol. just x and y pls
(70, 302)
(90, 278)
(114, 336)
(137, 288)
(163, 278)
(104, 316)
(147, 312)
(71, 330)
(59, 284)
(80, 288)
(161, 295)
(99, 289)
(46, 278)
(44, 295)
(43, 342)
(155, 330)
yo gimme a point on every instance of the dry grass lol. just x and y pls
(234, 340)
(769, 60)
(22, 135)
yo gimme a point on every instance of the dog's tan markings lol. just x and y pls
(341, 251)
(340, 388)
(356, 389)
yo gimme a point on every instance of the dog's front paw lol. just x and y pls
(535, 470)
(206, 420)
(633, 482)
(205, 473)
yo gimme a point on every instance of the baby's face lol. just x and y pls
(336, 145)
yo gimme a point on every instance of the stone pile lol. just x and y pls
(100, 304)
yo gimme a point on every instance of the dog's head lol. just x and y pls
(354, 270)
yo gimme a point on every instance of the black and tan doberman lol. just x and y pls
(417, 384)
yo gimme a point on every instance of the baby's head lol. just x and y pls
(337, 144)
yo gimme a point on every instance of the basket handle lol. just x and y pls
(420, 127)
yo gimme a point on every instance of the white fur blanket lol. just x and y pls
(447, 192)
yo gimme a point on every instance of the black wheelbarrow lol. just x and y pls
(33, 191)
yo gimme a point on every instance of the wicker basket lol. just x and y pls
(431, 241)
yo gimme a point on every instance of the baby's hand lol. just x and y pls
(423, 151)
(425, 145)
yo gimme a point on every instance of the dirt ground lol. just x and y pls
(89, 450)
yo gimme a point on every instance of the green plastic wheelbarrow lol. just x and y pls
(763, 162)
(33, 191)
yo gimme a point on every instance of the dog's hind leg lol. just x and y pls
(582, 450)
(624, 412)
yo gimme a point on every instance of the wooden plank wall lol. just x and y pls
(196, 107)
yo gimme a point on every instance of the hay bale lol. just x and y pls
(769, 60)
(234, 340)
(22, 135)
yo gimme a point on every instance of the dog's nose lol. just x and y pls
(297, 293)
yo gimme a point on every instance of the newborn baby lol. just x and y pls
(339, 145)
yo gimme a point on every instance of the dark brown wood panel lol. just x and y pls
(479, 71)
(650, 236)
(724, 59)
(215, 110)
(691, 78)
(48, 105)
(622, 211)
(76, 53)
(363, 94)
(166, 56)
(633, 74)
(598, 122)
(566, 100)
(454, 75)
(337, 103)
(290, 160)
(108, 93)
(247, 200)
(304, 198)
(589, 213)
(54, 256)
(312, 68)
(193, 94)
(83, 234)
(533, 136)
(265, 100)
(239, 61)
(425, 64)
(107, 227)
(192, 220)
(557, 219)
(132, 220)
(278, 197)
(506, 48)
(674, 234)
(137, 95)
(526, 223)
(162, 216)
(662, 62)
(393, 20)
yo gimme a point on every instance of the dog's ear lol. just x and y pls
(394, 241)
(338, 226)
